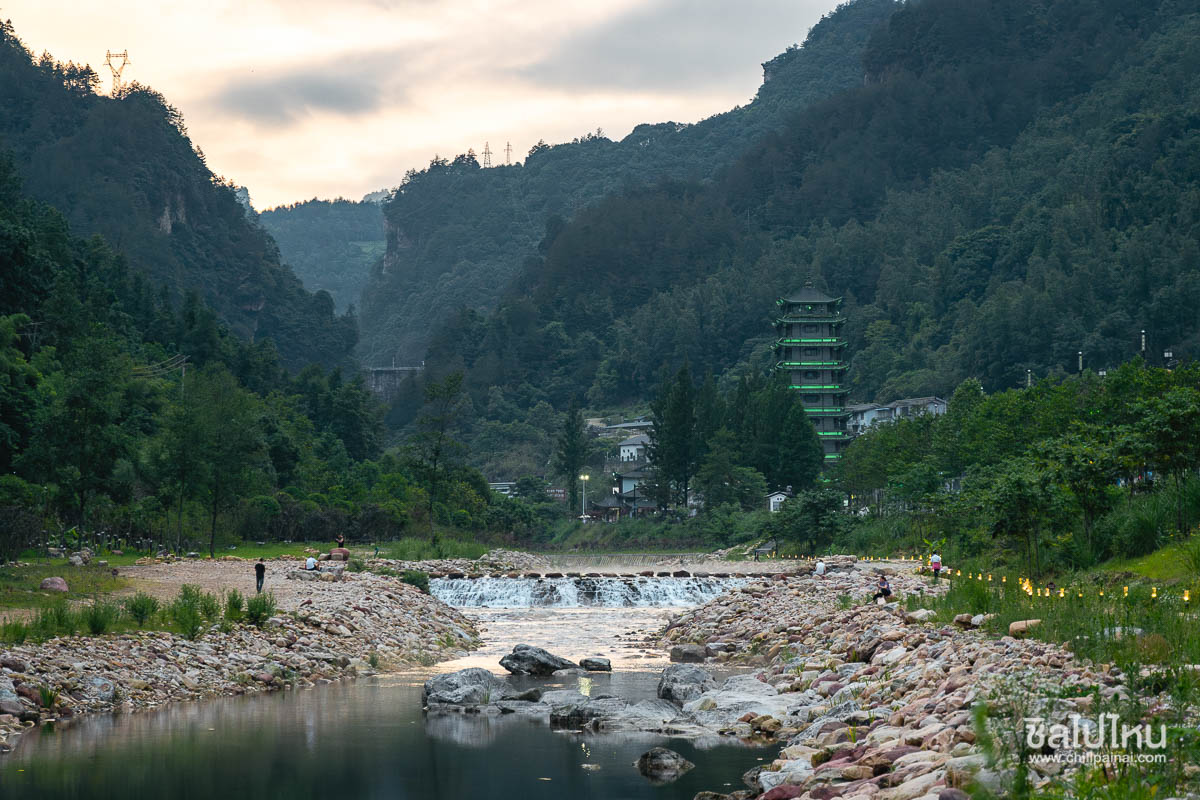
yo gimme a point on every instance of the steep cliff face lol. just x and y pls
(123, 167)
(458, 235)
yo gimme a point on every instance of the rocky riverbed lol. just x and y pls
(863, 700)
(323, 631)
(869, 701)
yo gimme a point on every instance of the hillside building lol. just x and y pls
(811, 352)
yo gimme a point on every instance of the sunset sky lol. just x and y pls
(303, 98)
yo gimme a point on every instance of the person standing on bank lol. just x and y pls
(260, 573)
(935, 562)
(340, 541)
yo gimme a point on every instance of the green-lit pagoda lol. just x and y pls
(811, 350)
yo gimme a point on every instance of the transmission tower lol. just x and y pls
(508, 153)
(109, 61)
(487, 155)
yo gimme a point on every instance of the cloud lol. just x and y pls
(348, 87)
(671, 45)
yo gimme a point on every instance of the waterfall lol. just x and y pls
(578, 592)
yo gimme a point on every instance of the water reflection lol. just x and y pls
(365, 740)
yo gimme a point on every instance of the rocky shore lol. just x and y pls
(869, 701)
(322, 632)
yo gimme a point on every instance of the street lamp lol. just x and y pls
(583, 511)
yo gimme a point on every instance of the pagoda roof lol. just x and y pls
(809, 294)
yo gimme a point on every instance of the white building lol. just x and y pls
(634, 448)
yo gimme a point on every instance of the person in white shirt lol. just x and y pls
(311, 563)
(820, 570)
(935, 563)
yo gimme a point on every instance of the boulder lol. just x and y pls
(660, 765)
(919, 615)
(964, 621)
(13, 663)
(596, 664)
(53, 585)
(339, 554)
(1022, 626)
(526, 660)
(467, 687)
(76, 560)
(681, 683)
(687, 654)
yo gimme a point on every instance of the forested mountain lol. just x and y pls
(459, 234)
(1014, 183)
(331, 245)
(124, 168)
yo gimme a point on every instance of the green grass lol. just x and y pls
(248, 550)
(19, 585)
(1167, 565)
(420, 549)
(1101, 628)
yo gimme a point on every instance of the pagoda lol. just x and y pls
(810, 351)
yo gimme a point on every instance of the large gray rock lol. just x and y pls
(681, 683)
(526, 660)
(467, 687)
(596, 664)
(660, 765)
(688, 654)
(54, 584)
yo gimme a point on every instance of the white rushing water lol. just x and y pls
(579, 592)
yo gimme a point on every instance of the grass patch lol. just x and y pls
(1168, 564)
(142, 607)
(1108, 628)
(412, 549)
(19, 586)
(416, 578)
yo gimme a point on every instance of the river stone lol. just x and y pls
(596, 664)
(660, 765)
(75, 560)
(13, 663)
(473, 686)
(681, 683)
(103, 688)
(526, 660)
(688, 654)
(53, 584)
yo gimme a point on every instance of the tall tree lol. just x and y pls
(570, 451)
(674, 444)
(433, 450)
(233, 450)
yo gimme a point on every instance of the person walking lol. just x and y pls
(260, 573)
(935, 563)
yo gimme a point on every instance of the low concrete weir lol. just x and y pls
(581, 591)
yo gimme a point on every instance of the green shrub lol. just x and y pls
(235, 606)
(185, 612)
(55, 620)
(210, 606)
(416, 578)
(141, 607)
(356, 565)
(260, 608)
(14, 632)
(101, 617)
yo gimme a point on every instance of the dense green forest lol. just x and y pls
(1058, 476)
(331, 245)
(1015, 183)
(130, 413)
(458, 235)
(123, 167)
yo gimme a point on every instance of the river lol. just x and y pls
(371, 738)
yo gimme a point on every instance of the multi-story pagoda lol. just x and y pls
(811, 350)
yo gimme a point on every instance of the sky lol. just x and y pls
(297, 99)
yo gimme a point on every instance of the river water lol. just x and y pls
(371, 738)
